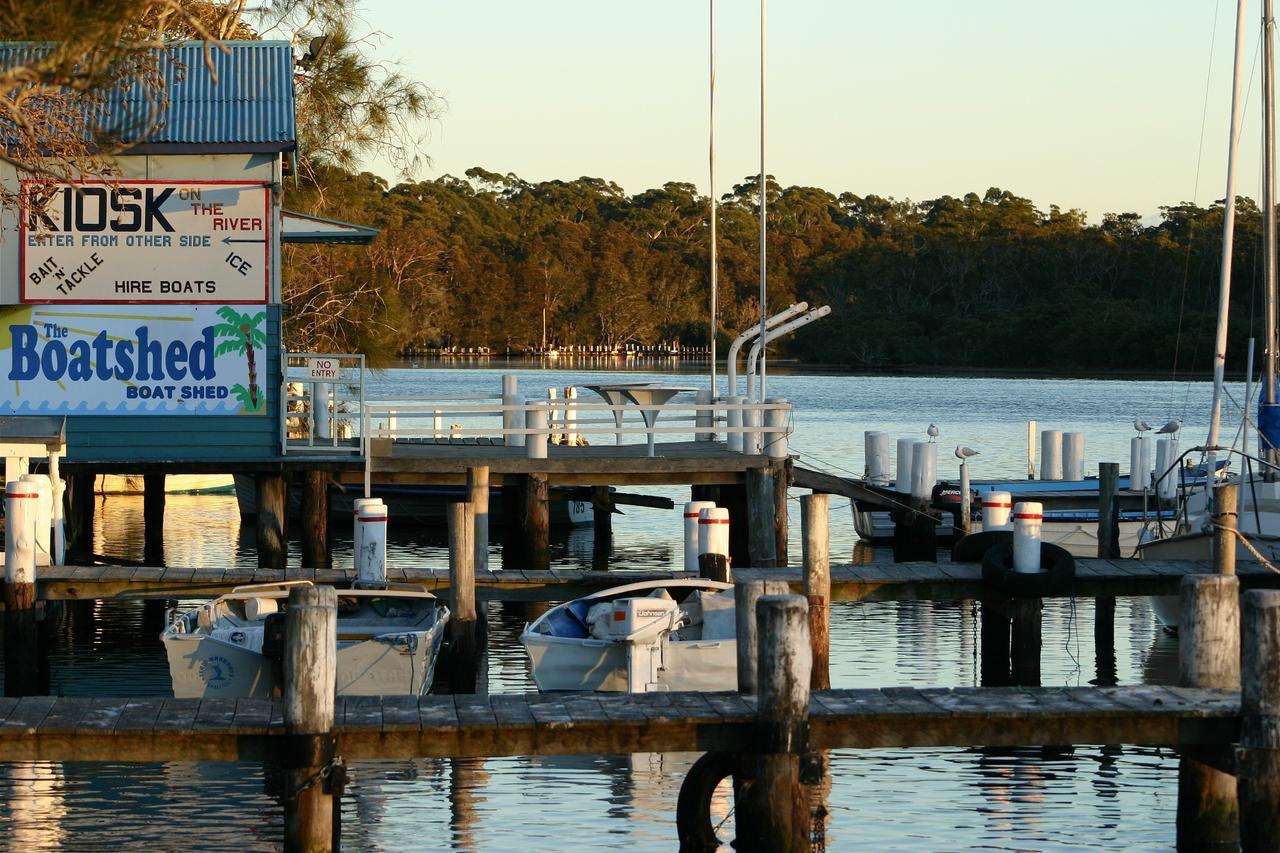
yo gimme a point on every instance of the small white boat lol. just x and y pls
(388, 641)
(638, 638)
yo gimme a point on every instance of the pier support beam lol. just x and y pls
(80, 502)
(153, 519)
(464, 636)
(316, 553)
(478, 497)
(602, 533)
(1208, 656)
(762, 542)
(272, 493)
(1024, 641)
(513, 556)
(817, 584)
(21, 643)
(1104, 640)
(734, 499)
(781, 483)
(745, 596)
(537, 523)
(915, 533)
(1260, 721)
(995, 615)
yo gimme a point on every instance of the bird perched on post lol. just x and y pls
(1170, 428)
(932, 432)
(1140, 425)
(964, 454)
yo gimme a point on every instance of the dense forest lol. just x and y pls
(975, 282)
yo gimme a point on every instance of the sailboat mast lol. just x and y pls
(711, 192)
(1269, 211)
(1228, 234)
(764, 288)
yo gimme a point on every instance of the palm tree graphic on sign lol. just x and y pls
(242, 333)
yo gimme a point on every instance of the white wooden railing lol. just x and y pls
(322, 403)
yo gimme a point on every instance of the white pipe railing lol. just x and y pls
(731, 371)
(774, 334)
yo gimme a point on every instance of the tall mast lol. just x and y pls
(711, 145)
(1228, 233)
(1269, 212)
(764, 290)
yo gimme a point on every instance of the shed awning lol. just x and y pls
(302, 228)
(32, 435)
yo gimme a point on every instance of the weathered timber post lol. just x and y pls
(762, 540)
(817, 584)
(1259, 761)
(715, 567)
(602, 528)
(21, 644)
(315, 521)
(734, 499)
(1208, 656)
(273, 552)
(996, 615)
(781, 485)
(537, 523)
(1108, 510)
(1104, 640)
(310, 685)
(80, 514)
(478, 497)
(1225, 518)
(153, 519)
(1024, 643)
(915, 533)
(513, 556)
(772, 807)
(462, 589)
(745, 596)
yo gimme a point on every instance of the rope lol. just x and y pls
(1248, 546)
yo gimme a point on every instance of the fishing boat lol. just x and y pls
(388, 639)
(638, 638)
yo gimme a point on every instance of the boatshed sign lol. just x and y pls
(114, 360)
(145, 242)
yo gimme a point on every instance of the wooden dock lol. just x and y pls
(46, 728)
(878, 581)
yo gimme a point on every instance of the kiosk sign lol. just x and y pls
(112, 360)
(146, 241)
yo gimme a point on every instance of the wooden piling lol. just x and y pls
(463, 640)
(1225, 517)
(513, 539)
(761, 536)
(153, 519)
(21, 643)
(478, 497)
(1259, 763)
(310, 686)
(1104, 640)
(1108, 510)
(995, 616)
(715, 567)
(734, 499)
(1025, 641)
(315, 521)
(80, 504)
(537, 523)
(745, 596)
(273, 552)
(817, 584)
(771, 805)
(781, 485)
(602, 528)
(915, 533)
(1208, 656)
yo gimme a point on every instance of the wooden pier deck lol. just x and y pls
(878, 581)
(81, 729)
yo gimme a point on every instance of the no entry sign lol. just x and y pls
(146, 241)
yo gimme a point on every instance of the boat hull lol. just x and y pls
(562, 663)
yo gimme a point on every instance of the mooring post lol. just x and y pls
(715, 567)
(21, 644)
(771, 805)
(315, 521)
(1259, 762)
(734, 499)
(1224, 529)
(462, 605)
(513, 487)
(915, 533)
(273, 551)
(817, 584)
(602, 528)
(153, 519)
(1104, 640)
(537, 523)
(80, 514)
(310, 687)
(1024, 642)
(995, 617)
(745, 596)
(478, 497)
(781, 485)
(761, 537)
(1208, 656)
(1108, 521)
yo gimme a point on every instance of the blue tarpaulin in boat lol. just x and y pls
(1268, 423)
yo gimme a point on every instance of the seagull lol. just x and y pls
(1140, 425)
(1170, 428)
(932, 432)
(965, 453)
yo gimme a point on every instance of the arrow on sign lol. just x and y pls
(242, 240)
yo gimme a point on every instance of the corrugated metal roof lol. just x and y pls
(247, 100)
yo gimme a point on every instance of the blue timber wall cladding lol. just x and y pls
(187, 438)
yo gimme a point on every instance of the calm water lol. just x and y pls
(1089, 796)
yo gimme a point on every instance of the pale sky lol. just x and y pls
(1090, 104)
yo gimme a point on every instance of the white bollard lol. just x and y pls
(876, 454)
(43, 519)
(735, 440)
(775, 441)
(371, 559)
(713, 531)
(1031, 450)
(356, 526)
(320, 409)
(751, 440)
(1166, 455)
(20, 504)
(924, 469)
(59, 514)
(1073, 456)
(1027, 520)
(1139, 463)
(512, 419)
(571, 415)
(691, 545)
(554, 421)
(535, 418)
(996, 509)
(702, 418)
(1051, 454)
(905, 451)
